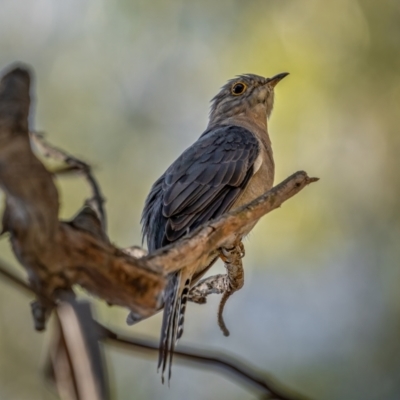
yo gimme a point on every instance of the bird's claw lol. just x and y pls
(228, 255)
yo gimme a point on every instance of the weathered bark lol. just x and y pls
(60, 254)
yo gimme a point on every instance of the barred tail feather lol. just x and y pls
(182, 308)
(170, 306)
(173, 319)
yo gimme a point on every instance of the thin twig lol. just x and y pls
(205, 359)
(47, 150)
(226, 364)
(215, 284)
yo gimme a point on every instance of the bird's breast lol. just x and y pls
(262, 180)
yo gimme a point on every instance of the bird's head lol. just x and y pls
(246, 95)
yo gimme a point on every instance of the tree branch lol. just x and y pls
(47, 150)
(60, 254)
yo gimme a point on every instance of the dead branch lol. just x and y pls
(74, 164)
(59, 254)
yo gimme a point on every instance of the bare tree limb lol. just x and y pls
(59, 254)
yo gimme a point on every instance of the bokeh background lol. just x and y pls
(126, 86)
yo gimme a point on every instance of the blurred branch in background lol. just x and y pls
(62, 357)
(76, 362)
(59, 254)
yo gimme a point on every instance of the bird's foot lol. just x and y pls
(232, 255)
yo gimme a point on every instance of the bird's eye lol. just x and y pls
(238, 88)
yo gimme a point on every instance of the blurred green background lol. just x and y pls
(126, 84)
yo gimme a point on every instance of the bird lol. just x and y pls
(229, 165)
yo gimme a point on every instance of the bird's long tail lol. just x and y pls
(176, 295)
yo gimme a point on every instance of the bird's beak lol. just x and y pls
(277, 78)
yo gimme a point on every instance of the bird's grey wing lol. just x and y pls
(207, 179)
(200, 185)
(153, 222)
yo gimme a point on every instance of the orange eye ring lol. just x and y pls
(238, 88)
